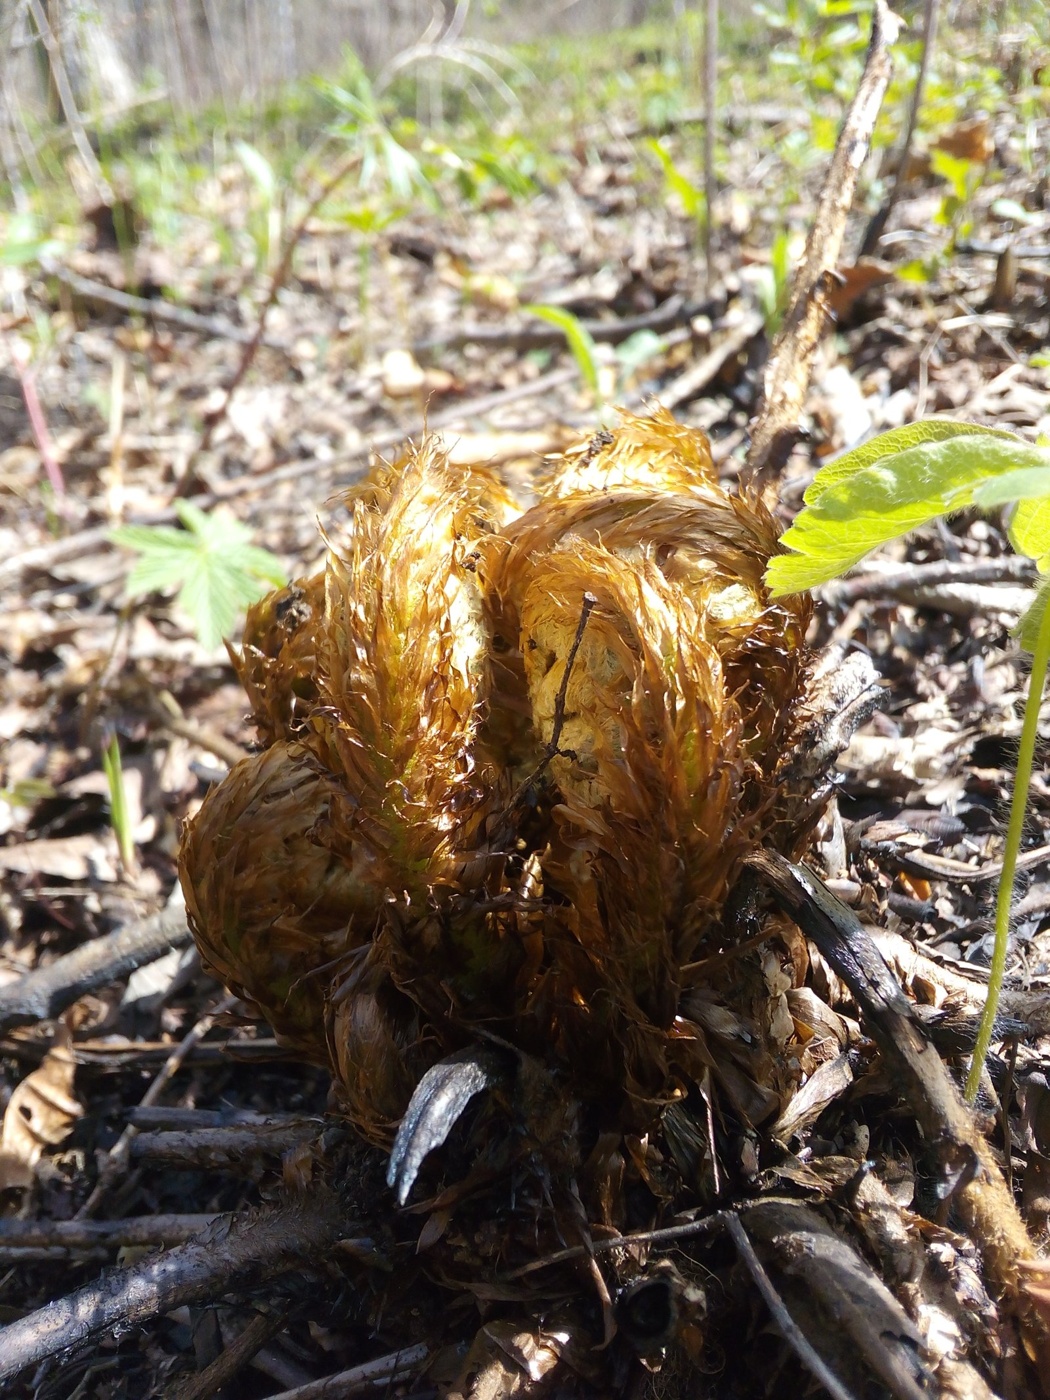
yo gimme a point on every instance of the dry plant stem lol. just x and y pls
(775, 428)
(38, 424)
(931, 867)
(47, 992)
(698, 376)
(255, 1249)
(367, 1376)
(983, 1203)
(116, 1160)
(786, 1324)
(1011, 851)
(278, 280)
(875, 228)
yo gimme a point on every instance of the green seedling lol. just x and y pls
(210, 563)
(690, 196)
(890, 486)
(580, 342)
(265, 224)
(773, 286)
(119, 814)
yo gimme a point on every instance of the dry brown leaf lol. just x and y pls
(971, 140)
(40, 1114)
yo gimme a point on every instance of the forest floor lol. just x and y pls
(377, 333)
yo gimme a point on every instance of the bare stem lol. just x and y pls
(1014, 834)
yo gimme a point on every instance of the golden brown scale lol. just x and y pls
(423, 856)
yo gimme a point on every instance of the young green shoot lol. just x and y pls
(119, 814)
(893, 484)
(579, 340)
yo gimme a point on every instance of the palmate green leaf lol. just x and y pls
(887, 487)
(212, 564)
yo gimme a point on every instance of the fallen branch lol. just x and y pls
(366, 1376)
(109, 1234)
(234, 1357)
(153, 309)
(675, 311)
(775, 428)
(219, 1149)
(248, 1253)
(895, 581)
(984, 1204)
(47, 992)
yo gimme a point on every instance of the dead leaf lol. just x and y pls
(971, 140)
(40, 1114)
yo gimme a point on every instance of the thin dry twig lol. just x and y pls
(253, 1250)
(775, 427)
(47, 992)
(154, 309)
(675, 311)
(277, 281)
(366, 1376)
(116, 1160)
(786, 1324)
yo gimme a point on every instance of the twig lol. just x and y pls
(878, 223)
(219, 1149)
(116, 1160)
(38, 424)
(253, 1250)
(234, 1357)
(788, 1327)
(895, 579)
(277, 281)
(47, 992)
(930, 867)
(363, 1377)
(775, 428)
(110, 1234)
(551, 751)
(675, 311)
(984, 1205)
(698, 376)
(671, 1234)
(154, 309)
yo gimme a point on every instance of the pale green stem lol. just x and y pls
(1014, 833)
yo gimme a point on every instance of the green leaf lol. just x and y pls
(887, 487)
(1024, 484)
(212, 564)
(1027, 630)
(579, 337)
(1030, 531)
(259, 169)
